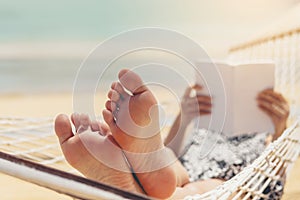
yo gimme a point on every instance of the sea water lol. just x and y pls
(59, 75)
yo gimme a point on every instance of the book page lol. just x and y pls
(249, 81)
(220, 89)
(242, 84)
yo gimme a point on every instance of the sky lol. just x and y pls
(215, 24)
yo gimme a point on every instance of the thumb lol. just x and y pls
(187, 92)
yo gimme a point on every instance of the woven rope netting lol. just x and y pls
(34, 140)
(284, 50)
(29, 150)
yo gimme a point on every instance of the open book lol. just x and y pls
(242, 83)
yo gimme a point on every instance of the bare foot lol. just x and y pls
(134, 123)
(78, 156)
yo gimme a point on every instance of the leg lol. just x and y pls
(194, 188)
(80, 158)
(182, 177)
(133, 120)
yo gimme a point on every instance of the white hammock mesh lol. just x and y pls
(32, 139)
(284, 50)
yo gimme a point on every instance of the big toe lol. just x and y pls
(63, 128)
(131, 81)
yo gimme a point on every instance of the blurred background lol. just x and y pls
(43, 43)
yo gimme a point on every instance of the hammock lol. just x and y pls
(30, 151)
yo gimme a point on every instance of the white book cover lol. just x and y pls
(242, 83)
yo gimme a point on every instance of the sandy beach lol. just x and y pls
(49, 105)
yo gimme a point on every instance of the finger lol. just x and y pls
(204, 107)
(268, 89)
(198, 100)
(269, 109)
(200, 108)
(204, 113)
(265, 110)
(204, 99)
(197, 87)
(201, 112)
(267, 98)
(275, 96)
(187, 92)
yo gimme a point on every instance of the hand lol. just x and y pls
(276, 107)
(192, 107)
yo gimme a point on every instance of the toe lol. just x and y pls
(95, 126)
(75, 120)
(104, 128)
(132, 82)
(84, 123)
(120, 89)
(63, 128)
(113, 95)
(109, 119)
(111, 106)
(85, 120)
